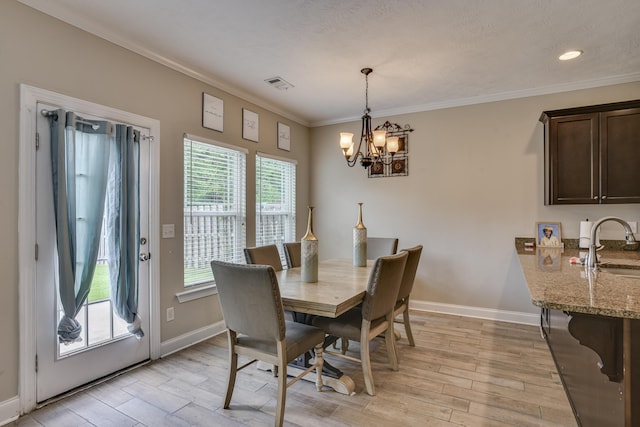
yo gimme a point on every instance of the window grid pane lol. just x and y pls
(275, 202)
(214, 208)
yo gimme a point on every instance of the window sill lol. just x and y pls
(193, 294)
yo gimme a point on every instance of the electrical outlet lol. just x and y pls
(170, 314)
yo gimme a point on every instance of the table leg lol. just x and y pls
(344, 384)
(302, 361)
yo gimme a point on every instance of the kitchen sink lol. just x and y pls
(630, 271)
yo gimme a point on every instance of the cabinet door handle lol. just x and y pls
(595, 197)
(604, 197)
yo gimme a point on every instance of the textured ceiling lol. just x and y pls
(426, 54)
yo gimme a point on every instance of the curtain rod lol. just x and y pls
(94, 126)
(48, 113)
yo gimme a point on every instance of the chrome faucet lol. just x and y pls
(592, 261)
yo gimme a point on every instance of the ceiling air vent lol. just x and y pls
(279, 83)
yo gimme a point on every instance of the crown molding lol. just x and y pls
(49, 8)
(502, 96)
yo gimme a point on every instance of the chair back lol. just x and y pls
(410, 269)
(384, 283)
(381, 246)
(253, 289)
(293, 254)
(264, 255)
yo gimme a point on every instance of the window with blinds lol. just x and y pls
(214, 207)
(275, 201)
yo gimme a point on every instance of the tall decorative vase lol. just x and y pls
(360, 241)
(309, 252)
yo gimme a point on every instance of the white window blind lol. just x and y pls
(275, 202)
(214, 207)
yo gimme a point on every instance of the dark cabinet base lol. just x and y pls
(593, 356)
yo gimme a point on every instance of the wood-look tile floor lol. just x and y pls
(462, 372)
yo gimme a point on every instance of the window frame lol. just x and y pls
(236, 179)
(288, 197)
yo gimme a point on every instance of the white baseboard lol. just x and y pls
(9, 410)
(183, 341)
(478, 312)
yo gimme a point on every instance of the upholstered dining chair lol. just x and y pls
(376, 247)
(264, 255)
(381, 246)
(375, 317)
(256, 327)
(408, 277)
(292, 253)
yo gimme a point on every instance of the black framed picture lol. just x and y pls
(212, 112)
(250, 125)
(284, 137)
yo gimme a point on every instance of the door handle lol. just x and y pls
(145, 256)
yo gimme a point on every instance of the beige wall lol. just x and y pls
(41, 51)
(475, 177)
(475, 182)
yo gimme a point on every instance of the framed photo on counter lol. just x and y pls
(548, 234)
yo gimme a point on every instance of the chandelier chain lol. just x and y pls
(366, 94)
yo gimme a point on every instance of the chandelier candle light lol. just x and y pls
(374, 145)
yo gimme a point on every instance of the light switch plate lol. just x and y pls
(168, 231)
(634, 226)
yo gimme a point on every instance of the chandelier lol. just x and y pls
(377, 146)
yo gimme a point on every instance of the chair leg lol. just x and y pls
(282, 382)
(233, 369)
(390, 341)
(365, 358)
(407, 326)
(282, 394)
(319, 362)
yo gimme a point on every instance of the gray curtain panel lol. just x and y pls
(122, 222)
(95, 167)
(79, 161)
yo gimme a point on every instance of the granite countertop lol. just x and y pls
(555, 283)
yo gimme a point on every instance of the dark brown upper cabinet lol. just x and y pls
(592, 154)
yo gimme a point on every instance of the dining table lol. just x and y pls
(340, 287)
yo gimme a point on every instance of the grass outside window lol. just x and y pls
(100, 284)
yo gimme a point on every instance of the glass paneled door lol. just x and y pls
(105, 345)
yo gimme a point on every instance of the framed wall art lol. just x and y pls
(284, 137)
(250, 125)
(212, 112)
(398, 165)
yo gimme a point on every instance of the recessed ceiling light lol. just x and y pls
(571, 54)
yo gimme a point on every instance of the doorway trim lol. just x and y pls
(29, 97)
